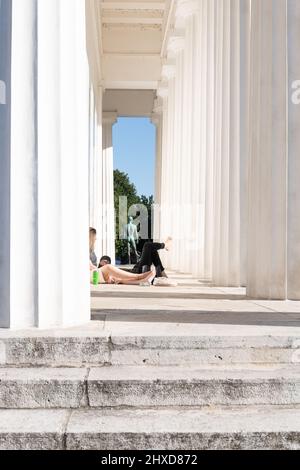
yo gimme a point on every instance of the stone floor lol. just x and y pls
(192, 306)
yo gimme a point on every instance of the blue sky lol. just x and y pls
(134, 152)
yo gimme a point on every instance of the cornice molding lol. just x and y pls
(168, 71)
(176, 42)
(186, 8)
(109, 117)
(163, 90)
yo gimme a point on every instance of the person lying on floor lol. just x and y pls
(148, 258)
(109, 274)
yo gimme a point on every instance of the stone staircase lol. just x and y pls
(190, 367)
(82, 388)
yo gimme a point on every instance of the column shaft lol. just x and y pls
(74, 120)
(245, 18)
(157, 121)
(108, 220)
(198, 164)
(46, 175)
(23, 167)
(226, 254)
(267, 166)
(293, 218)
(5, 125)
(209, 185)
(234, 148)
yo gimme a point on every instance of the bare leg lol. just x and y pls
(147, 277)
(109, 270)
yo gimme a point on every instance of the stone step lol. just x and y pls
(273, 427)
(140, 386)
(138, 342)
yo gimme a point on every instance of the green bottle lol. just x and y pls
(95, 277)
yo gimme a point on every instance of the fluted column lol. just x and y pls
(199, 133)
(293, 216)
(5, 124)
(95, 165)
(92, 134)
(162, 93)
(166, 92)
(188, 19)
(73, 137)
(49, 168)
(210, 143)
(46, 190)
(18, 201)
(245, 23)
(226, 270)
(169, 225)
(266, 274)
(233, 261)
(219, 24)
(157, 120)
(108, 219)
(176, 145)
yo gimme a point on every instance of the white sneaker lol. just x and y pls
(145, 284)
(164, 282)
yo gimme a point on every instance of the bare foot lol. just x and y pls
(143, 276)
(114, 280)
(149, 278)
(168, 243)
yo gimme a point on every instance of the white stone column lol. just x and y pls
(23, 210)
(266, 274)
(47, 222)
(18, 166)
(74, 130)
(188, 117)
(219, 24)
(210, 143)
(49, 166)
(226, 263)
(169, 225)
(162, 93)
(95, 165)
(108, 219)
(245, 23)
(176, 201)
(199, 134)
(156, 119)
(166, 92)
(5, 131)
(233, 261)
(293, 216)
(92, 133)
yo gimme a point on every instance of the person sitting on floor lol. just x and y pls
(151, 257)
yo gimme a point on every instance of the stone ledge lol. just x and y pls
(142, 386)
(132, 347)
(147, 429)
